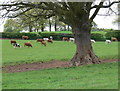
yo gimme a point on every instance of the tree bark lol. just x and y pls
(30, 28)
(68, 28)
(84, 51)
(49, 25)
(42, 27)
(55, 25)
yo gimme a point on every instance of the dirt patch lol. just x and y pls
(41, 65)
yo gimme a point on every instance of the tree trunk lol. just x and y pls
(68, 28)
(84, 52)
(55, 26)
(42, 27)
(30, 28)
(49, 25)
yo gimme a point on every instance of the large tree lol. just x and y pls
(75, 14)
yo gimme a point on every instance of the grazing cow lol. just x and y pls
(108, 41)
(72, 39)
(39, 40)
(93, 41)
(51, 37)
(12, 41)
(45, 38)
(28, 44)
(113, 39)
(25, 37)
(50, 40)
(16, 45)
(65, 39)
(43, 43)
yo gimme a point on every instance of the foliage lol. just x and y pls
(115, 33)
(59, 50)
(12, 26)
(58, 35)
(97, 36)
(19, 35)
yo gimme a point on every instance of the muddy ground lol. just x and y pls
(41, 65)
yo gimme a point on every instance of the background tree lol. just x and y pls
(75, 14)
(12, 26)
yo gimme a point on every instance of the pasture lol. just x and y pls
(93, 76)
(59, 50)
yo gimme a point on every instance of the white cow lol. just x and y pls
(108, 41)
(71, 39)
(45, 38)
(93, 41)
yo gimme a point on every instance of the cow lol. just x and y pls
(39, 40)
(25, 37)
(72, 39)
(65, 39)
(12, 41)
(16, 45)
(50, 41)
(43, 43)
(93, 41)
(108, 41)
(28, 44)
(113, 39)
(45, 38)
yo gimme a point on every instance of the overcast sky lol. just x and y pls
(101, 21)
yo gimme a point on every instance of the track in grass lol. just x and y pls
(42, 65)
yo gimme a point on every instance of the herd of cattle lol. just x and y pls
(50, 40)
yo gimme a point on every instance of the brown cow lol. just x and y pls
(51, 41)
(28, 44)
(44, 43)
(39, 40)
(25, 37)
(113, 39)
(65, 39)
(12, 41)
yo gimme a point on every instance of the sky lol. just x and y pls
(102, 22)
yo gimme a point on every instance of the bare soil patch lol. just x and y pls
(41, 65)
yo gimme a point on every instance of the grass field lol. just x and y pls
(97, 76)
(101, 32)
(62, 51)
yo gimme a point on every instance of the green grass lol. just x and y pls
(59, 50)
(102, 32)
(97, 76)
(58, 32)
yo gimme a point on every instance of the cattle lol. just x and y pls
(25, 37)
(72, 39)
(108, 41)
(93, 41)
(45, 38)
(28, 44)
(12, 41)
(113, 39)
(50, 41)
(16, 45)
(51, 37)
(39, 40)
(65, 39)
(43, 43)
